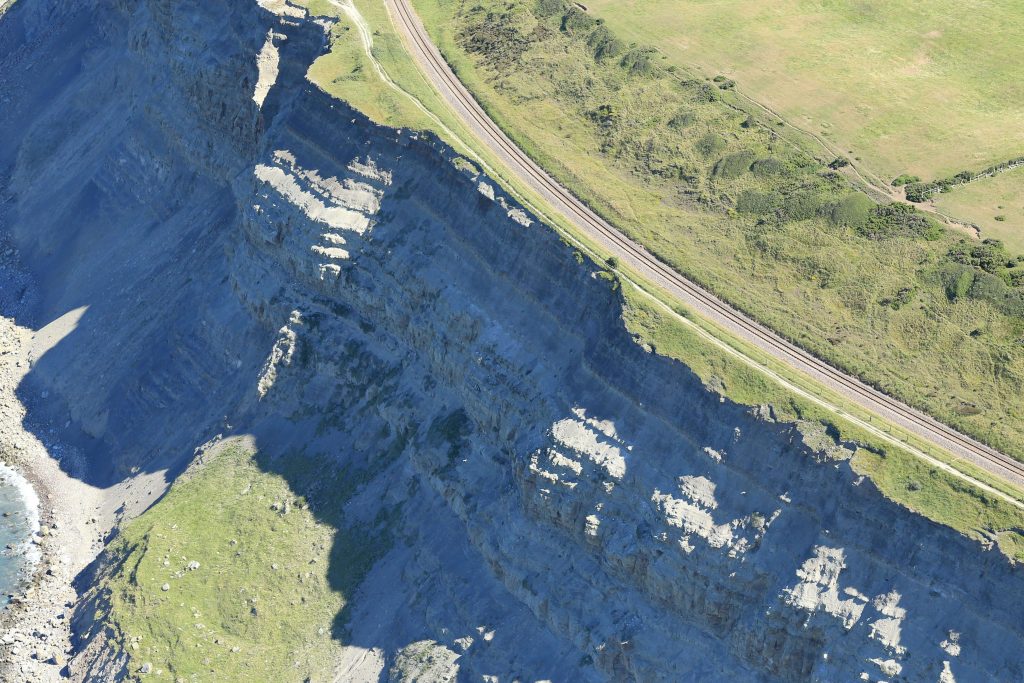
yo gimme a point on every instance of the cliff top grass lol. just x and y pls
(268, 582)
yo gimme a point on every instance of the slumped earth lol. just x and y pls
(368, 348)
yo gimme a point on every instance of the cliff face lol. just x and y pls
(564, 505)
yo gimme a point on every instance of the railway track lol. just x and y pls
(585, 219)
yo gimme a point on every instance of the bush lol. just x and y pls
(838, 163)
(989, 256)
(577, 22)
(604, 115)
(612, 261)
(900, 220)
(988, 287)
(903, 297)
(710, 144)
(702, 91)
(681, 120)
(767, 167)
(801, 205)
(733, 165)
(604, 44)
(957, 281)
(760, 203)
(549, 8)
(920, 192)
(905, 179)
(1000, 218)
(853, 210)
(638, 62)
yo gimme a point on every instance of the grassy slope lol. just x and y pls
(928, 88)
(817, 285)
(984, 199)
(264, 601)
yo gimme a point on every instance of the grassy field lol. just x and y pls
(987, 199)
(272, 575)
(927, 88)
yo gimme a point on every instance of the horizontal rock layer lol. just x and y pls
(243, 254)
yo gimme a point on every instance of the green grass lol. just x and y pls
(264, 603)
(347, 73)
(982, 200)
(928, 88)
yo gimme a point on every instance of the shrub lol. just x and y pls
(838, 163)
(760, 203)
(920, 192)
(989, 256)
(733, 165)
(767, 167)
(549, 8)
(1000, 218)
(681, 120)
(988, 287)
(853, 210)
(903, 297)
(702, 91)
(604, 44)
(957, 281)
(905, 179)
(604, 115)
(638, 62)
(748, 122)
(612, 261)
(800, 206)
(710, 144)
(900, 220)
(577, 22)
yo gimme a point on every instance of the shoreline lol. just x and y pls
(26, 549)
(67, 534)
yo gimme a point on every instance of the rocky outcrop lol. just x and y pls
(565, 505)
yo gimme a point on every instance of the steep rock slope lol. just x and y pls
(560, 503)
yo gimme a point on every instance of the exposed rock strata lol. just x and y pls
(255, 257)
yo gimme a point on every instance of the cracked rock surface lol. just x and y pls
(244, 255)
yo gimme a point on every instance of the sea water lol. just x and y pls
(19, 520)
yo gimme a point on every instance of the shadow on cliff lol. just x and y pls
(132, 214)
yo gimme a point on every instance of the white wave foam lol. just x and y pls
(30, 500)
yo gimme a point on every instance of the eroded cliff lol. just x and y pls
(247, 255)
